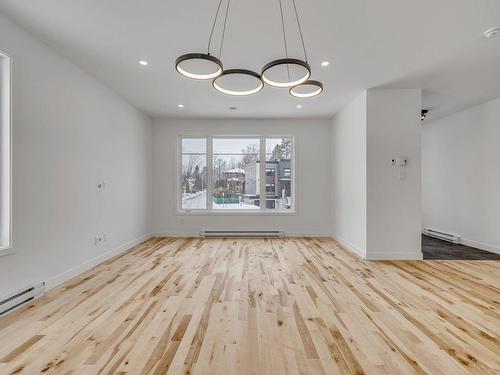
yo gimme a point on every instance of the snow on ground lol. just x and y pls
(193, 201)
(234, 206)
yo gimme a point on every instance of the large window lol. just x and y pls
(221, 174)
(5, 154)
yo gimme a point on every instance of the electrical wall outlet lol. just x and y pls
(98, 239)
(400, 161)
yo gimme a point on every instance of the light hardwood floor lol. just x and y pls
(260, 306)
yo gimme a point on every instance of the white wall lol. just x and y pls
(349, 175)
(69, 133)
(394, 201)
(312, 142)
(461, 175)
(377, 211)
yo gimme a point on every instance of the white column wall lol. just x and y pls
(376, 205)
(394, 202)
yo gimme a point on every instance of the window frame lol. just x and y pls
(6, 155)
(209, 210)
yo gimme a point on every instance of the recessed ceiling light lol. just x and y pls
(325, 63)
(299, 106)
(180, 105)
(143, 63)
(495, 31)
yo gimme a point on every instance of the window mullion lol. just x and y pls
(210, 160)
(263, 173)
(179, 174)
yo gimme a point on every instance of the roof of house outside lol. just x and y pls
(236, 170)
(267, 162)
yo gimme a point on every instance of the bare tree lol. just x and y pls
(197, 180)
(233, 164)
(188, 169)
(220, 165)
(251, 155)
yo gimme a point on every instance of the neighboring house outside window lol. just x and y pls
(278, 186)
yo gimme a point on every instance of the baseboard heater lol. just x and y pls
(20, 298)
(241, 233)
(442, 235)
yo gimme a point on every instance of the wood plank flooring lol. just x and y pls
(260, 306)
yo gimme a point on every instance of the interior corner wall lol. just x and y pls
(394, 200)
(460, 175)
(70, 132)
(348, 150)
(312, 216)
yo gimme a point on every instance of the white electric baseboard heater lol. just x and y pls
(442, 235)
(18, 299)
(242, 233)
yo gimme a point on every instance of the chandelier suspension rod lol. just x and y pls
(284, 36)
(283, 28)
(300, 30)
(224, 29)
(213, 27)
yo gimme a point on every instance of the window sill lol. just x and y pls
(4, 251)
(234, 213)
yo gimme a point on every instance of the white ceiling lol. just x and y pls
(436, 45)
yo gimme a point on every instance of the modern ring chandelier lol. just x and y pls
(291, 73)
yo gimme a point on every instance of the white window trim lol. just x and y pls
(6, 156)
(262, 211)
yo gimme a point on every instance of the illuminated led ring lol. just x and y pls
(318, 91)
(238, 93)
(286, 61)
(198, 56)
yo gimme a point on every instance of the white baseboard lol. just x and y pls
(395, 256)
(349, 246)
(307, 234)
(77, 270)
(175, 234)
(377, 255)
(197, 234)
(481, 245)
